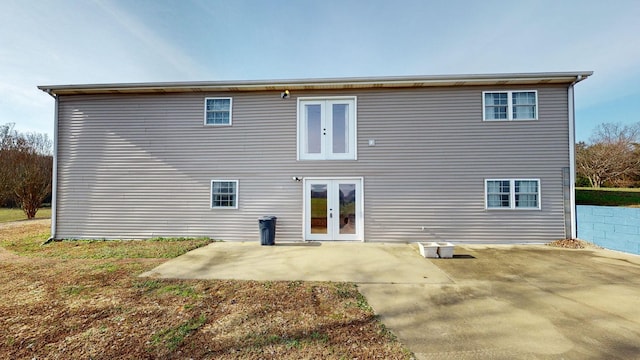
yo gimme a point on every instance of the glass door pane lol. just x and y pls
(314, 128)
(318, 213)
(347, 194)
(340, 128)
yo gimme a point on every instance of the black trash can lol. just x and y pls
(267, 230)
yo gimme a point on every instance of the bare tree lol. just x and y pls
(616, 133)
(25, 168)
(612, 156)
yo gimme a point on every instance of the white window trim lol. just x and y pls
(224, 207)
(230, 110)
(300, 134)
(512, 195)
(509, 105)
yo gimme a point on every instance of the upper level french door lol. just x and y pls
(333, 209)
(327, 128)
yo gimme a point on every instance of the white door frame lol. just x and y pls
(332, 236)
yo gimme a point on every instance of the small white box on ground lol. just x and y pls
(428, 249)
(445, 250)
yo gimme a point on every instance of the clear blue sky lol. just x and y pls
(45, 42)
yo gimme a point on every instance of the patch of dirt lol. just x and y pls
(573, 244)
(7, 255)
(22, 223)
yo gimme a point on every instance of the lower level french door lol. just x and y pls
(333, 209)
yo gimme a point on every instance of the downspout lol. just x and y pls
(54, 175)
(572, 156)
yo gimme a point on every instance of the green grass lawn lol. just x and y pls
(608, 197)
(26, 239)
(14, 214)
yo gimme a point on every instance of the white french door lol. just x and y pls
(327, 128)
(333, 209)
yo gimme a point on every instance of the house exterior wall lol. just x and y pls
(140, 166)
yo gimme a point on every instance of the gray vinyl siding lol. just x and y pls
(139, 166)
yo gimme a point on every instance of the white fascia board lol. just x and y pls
(327, 83)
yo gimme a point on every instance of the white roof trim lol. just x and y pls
(319, 84)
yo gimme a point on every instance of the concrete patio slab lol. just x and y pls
(361, 263)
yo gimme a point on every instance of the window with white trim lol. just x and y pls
(217, 111)
(512, 194)
(327, 128)
(510, 105)
(224, 194)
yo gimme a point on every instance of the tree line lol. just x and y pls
(611, 158)
(26, 167)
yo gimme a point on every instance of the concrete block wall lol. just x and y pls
(616, 228)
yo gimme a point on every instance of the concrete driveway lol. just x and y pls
(489, 302)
